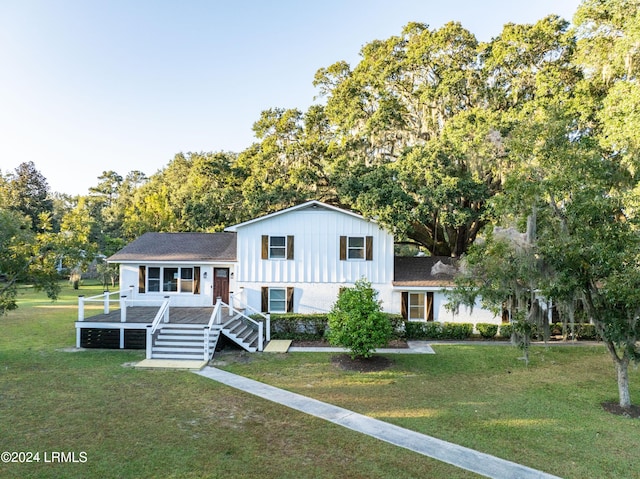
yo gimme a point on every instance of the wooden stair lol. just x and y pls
(242, 333)
(183, 341)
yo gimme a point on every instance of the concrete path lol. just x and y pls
(478, 462)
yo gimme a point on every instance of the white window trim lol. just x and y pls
(358, 248)
(284, 310)
(424, 307)
(161, 279)
(284, 247)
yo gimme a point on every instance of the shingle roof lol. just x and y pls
(424, 271)
(192, 247)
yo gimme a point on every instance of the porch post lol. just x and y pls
(219, 313)
(206, 343)
(81, 307)
(149, 340)
(268, 326)
(106, 302)
(166, 313)
(260, 336)
(123, 308)
(78, 337)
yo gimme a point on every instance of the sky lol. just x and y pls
(88, 86)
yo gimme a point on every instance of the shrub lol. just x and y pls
(418, 330)
(457, 330)
(300, 327)
(356, 321)
(487, 330)
(586, 331)
(506, 330)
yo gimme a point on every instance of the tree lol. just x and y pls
(504, 271)
(25, 256)
(28, 193)
(356, 321)
(421, 122)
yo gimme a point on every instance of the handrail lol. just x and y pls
(208, 355)
(164, 308)
(266, 333)
(104, 298)
(163, 312)
(259, 325)
(215, 314)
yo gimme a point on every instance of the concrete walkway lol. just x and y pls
(462, 457)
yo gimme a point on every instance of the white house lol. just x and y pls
(294, 260)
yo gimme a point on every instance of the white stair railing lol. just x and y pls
(216, 318)
(162, 314)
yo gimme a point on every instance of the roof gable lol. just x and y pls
(192, 247)
(308, 205)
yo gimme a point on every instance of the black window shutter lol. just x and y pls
(264, 307)
(289, 247)
(289, 300)
(404, 308)
(142, 279)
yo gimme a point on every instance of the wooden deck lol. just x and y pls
(145, 314)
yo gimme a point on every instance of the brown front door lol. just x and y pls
(221, 284)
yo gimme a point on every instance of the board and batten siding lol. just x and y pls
(314, 270)
(316, 254)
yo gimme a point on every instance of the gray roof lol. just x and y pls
(192, 247)
(424, 270)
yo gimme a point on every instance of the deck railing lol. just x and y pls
(105, 299)
(216, 318)
(162, 314)
(263, 327)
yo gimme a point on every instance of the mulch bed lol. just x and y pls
(614, 408)
(369, 365)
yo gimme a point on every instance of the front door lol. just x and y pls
(221, 284)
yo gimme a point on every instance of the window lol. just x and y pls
(170, 279)
(277, 247)
(277, 300)
(356, 248)
(417, 306)
(153, 285)
(186, 280)
(173, 280)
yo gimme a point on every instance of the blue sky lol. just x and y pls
(95, 85)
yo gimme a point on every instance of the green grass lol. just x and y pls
(172, 424)
(139, 424)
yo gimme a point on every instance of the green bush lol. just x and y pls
(506, 330)
(356, 321)
(419, 330)
(457, 330)
(487, 330)
(299, 327)
(586, 331)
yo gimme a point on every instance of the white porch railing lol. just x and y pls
(162, 314)
(105, 300)
(263, 328)
(216, 318)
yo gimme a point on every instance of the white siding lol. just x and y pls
(316, 233)
(129, 277)
(316, 272)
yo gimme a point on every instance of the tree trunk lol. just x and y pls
(622, 367)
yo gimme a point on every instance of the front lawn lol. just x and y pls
(140, 424)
